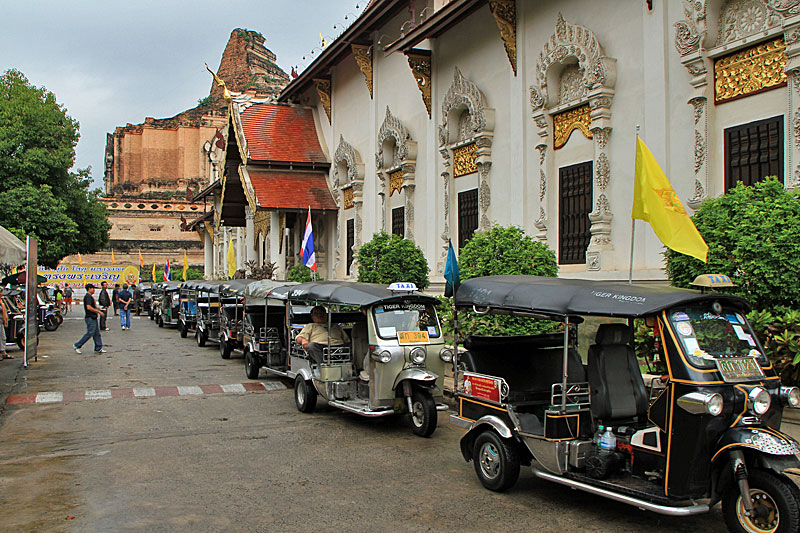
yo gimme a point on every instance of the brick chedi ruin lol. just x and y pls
(152, 168)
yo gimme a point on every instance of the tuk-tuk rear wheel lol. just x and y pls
(251, 366)
(224, 349)
(201, 338)
(776, 505)
(496, 461)
(423, 413)
(182, 330)
(305, 395)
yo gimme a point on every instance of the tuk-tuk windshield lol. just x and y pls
(706, 336)
(393, 317)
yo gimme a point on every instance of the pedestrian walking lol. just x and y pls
(67, 299)
(125, 300)
(4, 317)
(92, 314)
(105, 302)
(115, 297)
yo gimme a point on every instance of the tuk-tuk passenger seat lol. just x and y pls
(615, 381)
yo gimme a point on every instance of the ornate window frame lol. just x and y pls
(700, 38)
(464, 94)
(404, 159)
(352, 186)
(567, 43)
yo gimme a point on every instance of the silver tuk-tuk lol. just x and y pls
(265, 331)
(395, 360)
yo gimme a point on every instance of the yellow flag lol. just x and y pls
(185, 265)
(322, 40)
(80, 260)
(113, 261)
(220, 83)
(141, 261)
(231, 259)
(655, 201)
(154, 272)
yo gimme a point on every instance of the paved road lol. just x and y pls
(205, 453)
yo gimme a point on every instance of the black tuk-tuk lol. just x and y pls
(143, 299)
(187, 313)
(167, 311)
(265, 331)
(207, 312)
(231, 316)
(705, 432)
(15, 329)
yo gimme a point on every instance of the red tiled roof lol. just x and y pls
(276, 132)
(276, 189)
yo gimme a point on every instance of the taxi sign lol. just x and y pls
(413, 337)
(402, 286)
(713, 280)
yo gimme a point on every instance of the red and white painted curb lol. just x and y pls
(142, 392)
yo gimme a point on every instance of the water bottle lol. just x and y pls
(597, 435)
(608, 442)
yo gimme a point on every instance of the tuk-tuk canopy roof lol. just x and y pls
(576, 297)
(210, 285)
(235, 286)
(262, 288)
(347, 293)
(168, 285)
(191, 285)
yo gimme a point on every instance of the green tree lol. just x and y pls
(40, 196)
(390, 258)
(299, 273)
(504, 250)
(751, 234)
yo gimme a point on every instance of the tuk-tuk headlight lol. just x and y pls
(382, 357)
(417, 355)
(446, 355)
(759, 400)
(701, 403)
(790, 396)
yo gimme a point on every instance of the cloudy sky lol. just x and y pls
(111, 62)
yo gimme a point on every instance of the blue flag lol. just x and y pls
(451, 273)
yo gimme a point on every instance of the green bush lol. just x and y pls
(502, 250)
(779, 333)
(299, 273)
(391, 258)
(752, 236)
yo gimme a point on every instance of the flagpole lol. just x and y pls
(633, 220)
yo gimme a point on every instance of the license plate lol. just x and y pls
(739, 369)
(413, 337)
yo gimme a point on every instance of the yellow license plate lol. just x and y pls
(739, 369)
(413, 337)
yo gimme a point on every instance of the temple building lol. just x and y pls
(153, 169)
(440, 118)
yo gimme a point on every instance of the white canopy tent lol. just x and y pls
(12, 250)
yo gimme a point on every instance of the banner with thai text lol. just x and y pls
(80, 275)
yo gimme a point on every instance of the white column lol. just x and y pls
(208, 254)
(250, 235)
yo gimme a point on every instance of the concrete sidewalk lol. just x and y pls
(11, 372)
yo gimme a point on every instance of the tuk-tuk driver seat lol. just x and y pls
(617, 387)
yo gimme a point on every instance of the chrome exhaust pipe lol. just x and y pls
(687, 510)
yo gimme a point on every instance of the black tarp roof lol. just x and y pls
(235, 286)
(262, 288)
(576, 297)
(347, 293)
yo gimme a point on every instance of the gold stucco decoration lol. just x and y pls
(750, 70)
(464, 160)
(420, 63)
(348, 199)
(568, 121)
(396, 181)
(261, 223)
(323, 87)
(505, 14)
(363, 56)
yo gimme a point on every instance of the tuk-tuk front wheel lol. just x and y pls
(423, 413)
(496, 461)
(776, 505)
(201, 338)
(21, 341)
(182, 330)
(251, 366)
(224, 349)
(305, 395)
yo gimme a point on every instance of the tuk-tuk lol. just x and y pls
(143, 299)
(187, 312)
(15, 329)
(167, 311)
(265, 330)
(207, 328)
(231, 316)
(706, 431)
(394, 362)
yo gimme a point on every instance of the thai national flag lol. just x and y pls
(166, 272)
(309, 258)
